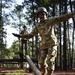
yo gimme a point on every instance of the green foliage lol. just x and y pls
(2, 34)
(14, 50)
(16, 73)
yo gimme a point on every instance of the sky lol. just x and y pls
(10, 37)
(10, 30)
(19, 1)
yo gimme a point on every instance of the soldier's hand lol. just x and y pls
(17, 35)
(14, 34)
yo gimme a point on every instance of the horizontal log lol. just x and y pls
(16, 60)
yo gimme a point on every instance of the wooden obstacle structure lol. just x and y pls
(17, 61)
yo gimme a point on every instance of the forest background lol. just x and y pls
(17, 15)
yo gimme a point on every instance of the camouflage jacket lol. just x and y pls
(46, 30)
(24, 33)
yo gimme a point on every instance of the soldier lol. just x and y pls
(48, 48)
(24, 40)
(23, 44)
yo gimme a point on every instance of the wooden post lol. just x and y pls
(32, 65)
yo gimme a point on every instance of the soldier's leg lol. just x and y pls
(26, 48)
(21, 54)
(52, 53)
(42, 61)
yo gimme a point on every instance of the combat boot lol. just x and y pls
(44, 72)
(50, 73)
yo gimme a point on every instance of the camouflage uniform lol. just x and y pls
(24, 33)
(24, 41)
(48, 47)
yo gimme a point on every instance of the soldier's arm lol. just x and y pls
(32, 34)
(62, 18)
(27, 36)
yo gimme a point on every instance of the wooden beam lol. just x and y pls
(32, 65)
(16, 60)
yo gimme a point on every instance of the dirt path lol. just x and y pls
(64, 73)
(22, 72)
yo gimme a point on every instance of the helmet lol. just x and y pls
(42, 9)
(24, 26)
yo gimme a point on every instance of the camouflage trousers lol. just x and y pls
(47, 58)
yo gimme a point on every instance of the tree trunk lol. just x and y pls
(64, 40)
(72, 36)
